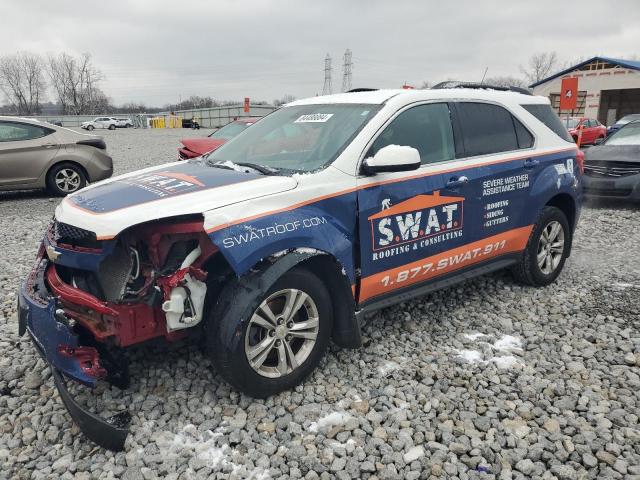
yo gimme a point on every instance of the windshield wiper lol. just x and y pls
(261, 168)
(226, 164)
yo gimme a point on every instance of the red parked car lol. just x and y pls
(194, 147)
(592, 129)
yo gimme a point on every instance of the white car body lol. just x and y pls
(100, 122)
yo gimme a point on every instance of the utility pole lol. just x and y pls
(327, 89)
(346, 71)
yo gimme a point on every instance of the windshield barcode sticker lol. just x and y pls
(314, 118)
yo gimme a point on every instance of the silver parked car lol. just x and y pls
(35, 155)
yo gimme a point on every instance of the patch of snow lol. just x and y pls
(387, 367)
(508, 342)
(505, 344)
(328, 421)
(625, 285)
(237, 168)
(474, 336)
(204, 446)
(471, 356)
(306, 250)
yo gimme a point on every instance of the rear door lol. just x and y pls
(25, 151)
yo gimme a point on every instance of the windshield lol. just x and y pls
(627, 135)
(299, 138)
(230, 130)
(571, 122)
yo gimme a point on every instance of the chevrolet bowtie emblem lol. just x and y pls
(52, 253)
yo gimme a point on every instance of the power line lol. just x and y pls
(346, 71)
(327, 88)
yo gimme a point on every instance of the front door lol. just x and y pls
(407, 218)
(25, 151)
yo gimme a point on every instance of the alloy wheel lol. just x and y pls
(282, 333)
(550, 247)
(67, 180)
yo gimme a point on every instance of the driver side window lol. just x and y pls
(426, 128)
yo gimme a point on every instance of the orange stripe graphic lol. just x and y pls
(460, 166)
(508, 242)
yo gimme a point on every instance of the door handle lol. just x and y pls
(455, 182)
(531, 162)
(49, 145)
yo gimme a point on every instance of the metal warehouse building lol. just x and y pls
(608, 88)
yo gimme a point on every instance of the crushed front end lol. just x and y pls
(87, 298)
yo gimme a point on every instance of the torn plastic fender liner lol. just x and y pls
(110, 433)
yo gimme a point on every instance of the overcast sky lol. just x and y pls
(156, 51)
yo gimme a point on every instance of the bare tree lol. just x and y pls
(540, 66)
(506, 81)
(22, 80)
(75, 82)
(285, 99)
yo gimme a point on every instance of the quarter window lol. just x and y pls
(15, 132)
(525, 139)
(427, 128)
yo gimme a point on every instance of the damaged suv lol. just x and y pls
(284, 238)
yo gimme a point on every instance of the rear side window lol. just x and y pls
(488, 128)
(14, 132)
(546, 115)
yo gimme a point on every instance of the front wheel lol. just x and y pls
(112, 127)
(546, 250)
(90, 127)
(278, 338)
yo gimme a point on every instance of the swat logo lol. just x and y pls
(165, 183)
(417, 219)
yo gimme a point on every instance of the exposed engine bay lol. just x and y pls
(151, 283)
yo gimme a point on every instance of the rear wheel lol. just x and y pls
(278, 339)
(65, 178)
(112, 127)
(546, 250)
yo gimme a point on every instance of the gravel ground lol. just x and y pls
(484, 380)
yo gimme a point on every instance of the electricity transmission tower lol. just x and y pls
(346, 71)
(327, 89)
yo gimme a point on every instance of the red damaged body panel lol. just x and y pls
(127, 323)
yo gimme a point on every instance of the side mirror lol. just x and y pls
(392, 158)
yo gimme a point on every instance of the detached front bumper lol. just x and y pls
(53, 337)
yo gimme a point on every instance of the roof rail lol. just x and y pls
(355, 90)
(457, 84)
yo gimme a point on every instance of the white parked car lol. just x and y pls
(100, 122)
(124, 122)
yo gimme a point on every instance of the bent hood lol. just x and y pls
(202, 145)
(174, 189)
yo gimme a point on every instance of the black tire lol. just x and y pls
(528, 270)
(69, 170)
(112, 127)
(90, 127)
(229, 320)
